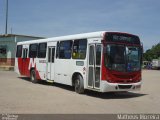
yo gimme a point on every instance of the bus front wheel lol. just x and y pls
(79, 86)
(33, 77)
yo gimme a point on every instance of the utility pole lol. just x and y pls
(6, 17)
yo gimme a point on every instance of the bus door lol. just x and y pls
(24, 61)
(94, 65)
(50, 61)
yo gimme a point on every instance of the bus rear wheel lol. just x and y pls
(33, 77)
(79, 86)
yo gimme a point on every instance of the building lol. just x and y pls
(8, 48)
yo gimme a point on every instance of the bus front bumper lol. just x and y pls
(115, 87)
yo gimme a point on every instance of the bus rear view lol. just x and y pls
(121, 64)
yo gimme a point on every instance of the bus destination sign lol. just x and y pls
(124, 38)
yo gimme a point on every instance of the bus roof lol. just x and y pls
(69, 37)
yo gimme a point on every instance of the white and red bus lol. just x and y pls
(100, 61)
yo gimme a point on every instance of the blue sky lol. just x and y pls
(51, 18)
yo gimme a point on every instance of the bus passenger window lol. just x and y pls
(19, 51)
(42, 50)
(33, 50)
(57, 50)
(79, 49)
(53, 52)
(65, 49)
(98, 54)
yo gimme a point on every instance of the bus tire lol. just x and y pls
(33, 77)
(79, 86)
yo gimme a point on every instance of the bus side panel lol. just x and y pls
(19, 60)
(17, 66)
(37, 74)
(24, 67)
(25, 64)
(80, 66)
(32, 64)
(41, 68)
(63, 70)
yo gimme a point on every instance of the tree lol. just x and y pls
(153, 53)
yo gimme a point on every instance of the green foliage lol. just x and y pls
(153, 53)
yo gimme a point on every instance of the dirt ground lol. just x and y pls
(18, 95)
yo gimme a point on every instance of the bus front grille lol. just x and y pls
(124, 86)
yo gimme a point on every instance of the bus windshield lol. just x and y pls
(122, 58)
